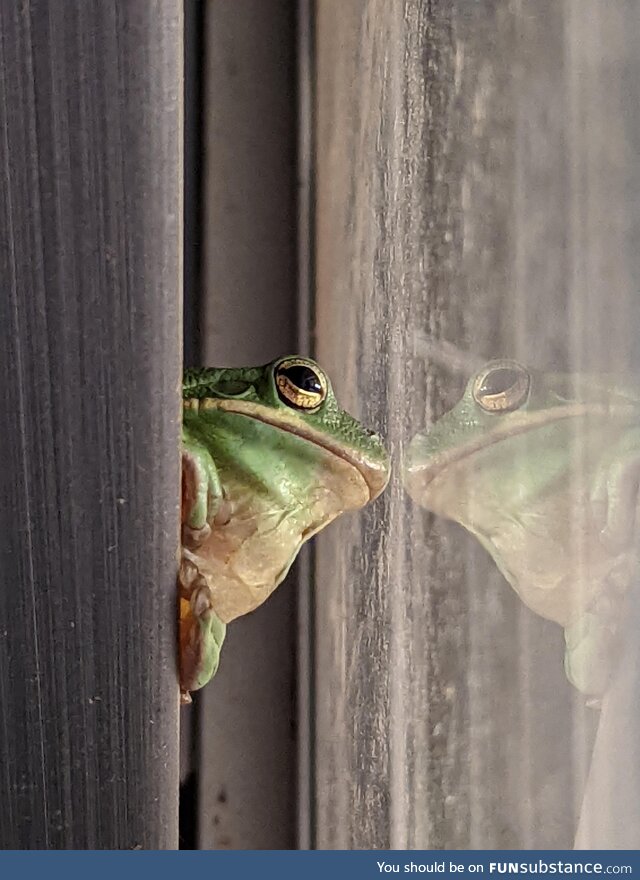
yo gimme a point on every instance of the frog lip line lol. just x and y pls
(427, 473)
(374, 475)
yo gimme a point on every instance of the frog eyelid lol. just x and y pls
(234, 388)
(502, 387)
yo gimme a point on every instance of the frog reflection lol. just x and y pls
(543, 469)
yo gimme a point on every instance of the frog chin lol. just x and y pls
(444, 492)
(234, 592)
(244, 559)
(545, 547)
(243, 567)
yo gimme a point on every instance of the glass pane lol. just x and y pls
(477, 198)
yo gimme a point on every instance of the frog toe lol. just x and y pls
(202, 601)
(195, 537)
(201, 630)
(187, 574)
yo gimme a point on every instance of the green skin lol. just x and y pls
(549, 489)
(261, 475)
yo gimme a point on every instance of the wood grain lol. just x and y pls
(90, 224)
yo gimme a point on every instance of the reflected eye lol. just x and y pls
(501, 387)
(301, 384)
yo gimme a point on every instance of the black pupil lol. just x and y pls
(303, 378)
(498, 381)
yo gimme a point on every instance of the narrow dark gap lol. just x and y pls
(193, 153)
(188, 812)
(192, 281)
(304, 692)
(283, 72)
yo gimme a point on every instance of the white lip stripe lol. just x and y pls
(369, 469)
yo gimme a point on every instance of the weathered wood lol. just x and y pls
(90, 217)
(477, 182)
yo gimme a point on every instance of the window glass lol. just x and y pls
(477, 199)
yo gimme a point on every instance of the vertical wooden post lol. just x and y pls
(90, 230)
(246, 732)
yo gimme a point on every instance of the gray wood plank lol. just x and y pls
(246, 716)
(90, 224)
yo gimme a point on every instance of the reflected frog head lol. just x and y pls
(542, 468)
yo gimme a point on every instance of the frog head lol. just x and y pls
(287, 460)
(530, 464)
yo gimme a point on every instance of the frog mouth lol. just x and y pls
(374, 472)
(420, 475)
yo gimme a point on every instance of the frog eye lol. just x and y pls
(301, 384)
(501, 387)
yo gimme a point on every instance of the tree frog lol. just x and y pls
(543, 469)
(268, 459)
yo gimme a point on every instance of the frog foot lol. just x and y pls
(204, 504)
(614, 494)
(195, 536)
(592, 647)
(201, 630)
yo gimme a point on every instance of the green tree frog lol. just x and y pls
(268, 459)
(543, 469)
